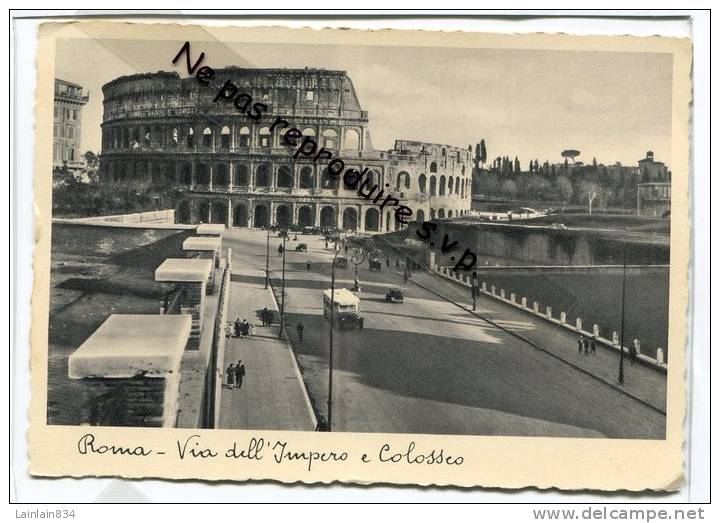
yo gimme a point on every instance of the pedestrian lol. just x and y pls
(230, 374)
(280, 250)
(586, 345)
(264, 317)
(245, 328)
(237, 328)
(346, 248)
(321, 424)
(300, 329)
(308, 264)
(580, 344)
(326, 244)
(592, 345)
(239, 374)
(387, 262)
(634, 350)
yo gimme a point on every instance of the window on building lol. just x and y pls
(309, 95)
(264, 136)
(245, 137)
(71, 154)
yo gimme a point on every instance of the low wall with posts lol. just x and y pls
(534, 308)
(164, 219)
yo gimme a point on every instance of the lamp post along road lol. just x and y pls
(267, 260)
(621, 370)
(282, 296)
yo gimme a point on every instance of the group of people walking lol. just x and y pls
(235, 374)
(266, 317)
(586, 345)
(242, 328)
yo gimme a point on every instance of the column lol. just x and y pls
(360, 219)
(210, 174)
(231, 175)
(317, 214)
(229, 214)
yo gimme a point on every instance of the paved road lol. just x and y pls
(426, 366)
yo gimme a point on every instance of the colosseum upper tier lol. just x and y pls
(161, 130)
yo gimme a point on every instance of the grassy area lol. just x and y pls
(95, 272)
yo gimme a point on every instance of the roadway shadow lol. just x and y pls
(480, 374)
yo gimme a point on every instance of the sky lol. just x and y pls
(526, 103)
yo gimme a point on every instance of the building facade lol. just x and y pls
(67, 124)
(651, 170)
(161, 130)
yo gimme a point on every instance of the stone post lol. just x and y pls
(536, 307)
(578, 324)
(548, 312)
(129, 370)
(502, 293)
(188, 277)
(596, 330)
(660, 356)
(615, 338)
(512, 297)
(523, 301)
(492, 290)
(484, 287)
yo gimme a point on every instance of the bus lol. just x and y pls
(347, 309)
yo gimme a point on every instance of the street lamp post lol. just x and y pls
(621, 370)
(332, 326)
(282, 296)
(267, 259)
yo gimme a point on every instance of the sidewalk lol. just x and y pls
(273, 395)
(640, 381)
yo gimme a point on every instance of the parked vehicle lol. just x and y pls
(311, 230)
(395, 295)
(301, 247)
(346, 309)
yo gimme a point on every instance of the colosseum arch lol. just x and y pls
(240, 217)
(190, 138)
(174, 137)
(422, 183)
(450, 213)
(330, 139)
(305, 216)
(309, 132)
(220, 174)
(203, 174)
(242, 178)
(186, 173)
(442, 185)
(450, 185)
(285, 177)
(352, 140)
(207, 139)
(225, 137)
(403, 180)
(433, 186)
(261, 216)
(282, 215)
(307, 178)
(204, 212)
(219, 212)
(372, 219)
(182, 214)
(327, 217)
(433, 167)
(350, 219)
(373, 178)
(263, 175)
(441, 213)
(264, 137)
(329, 181)
(420, 216)
(147, 136)
(244, 137)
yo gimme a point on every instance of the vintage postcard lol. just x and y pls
(400, 257)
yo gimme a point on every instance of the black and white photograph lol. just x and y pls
(325, 236)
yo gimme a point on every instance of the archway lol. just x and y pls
(305, 217)
(307, 178)
(262, 176)
(225, 137)
(183, 212)
(260, 218)
(328, 180)
(450, 185)
(422, 181)
(240, 216)
(352, 140)
(450, 213)
(349, 219)
(203, 213)
(219, 212)
(327, 217)
(203, 174)
(433, 186)
(285, 177)
(372, 219)
(220, 176)
(442, 185)
(441, 213)
(282, 216)
(420, 216)
(403, 180)
(241, 176)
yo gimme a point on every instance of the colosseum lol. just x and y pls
(161, 130)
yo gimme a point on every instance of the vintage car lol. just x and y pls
(395, 295)
(301, 247)
(341, 262)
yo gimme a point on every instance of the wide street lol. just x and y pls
(427, 366)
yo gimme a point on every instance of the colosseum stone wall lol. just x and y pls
(161, 130)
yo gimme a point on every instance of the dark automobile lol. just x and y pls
(301, 247)
(311, 230)
(283, 234)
